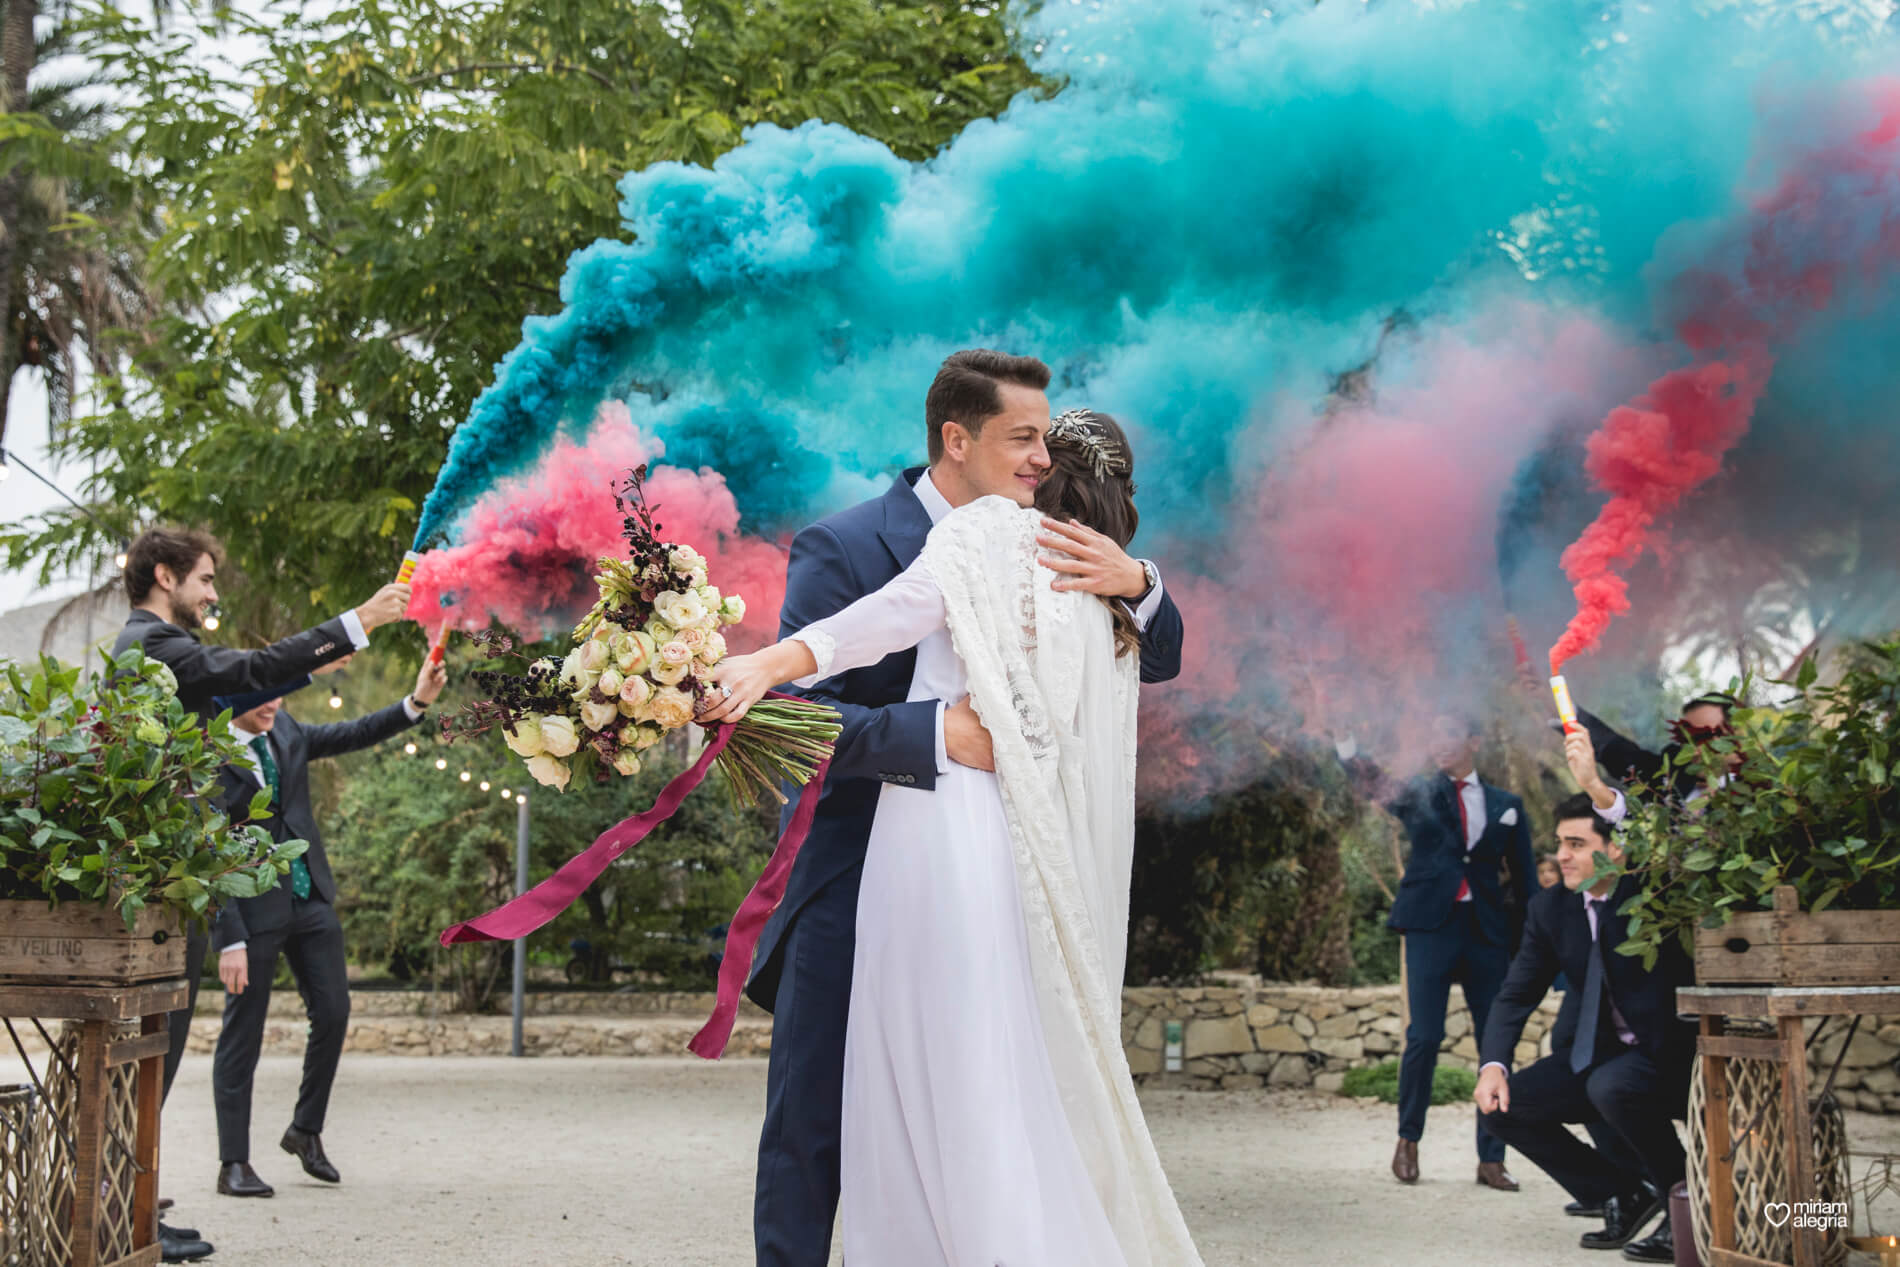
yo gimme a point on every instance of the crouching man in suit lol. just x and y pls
(1625, 1064)
(296, 919)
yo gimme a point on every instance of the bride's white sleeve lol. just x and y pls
(895, 618)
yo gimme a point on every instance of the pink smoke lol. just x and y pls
(1829, 223)
(526, 551)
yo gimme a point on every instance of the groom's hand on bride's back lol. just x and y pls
(1089, 561)
(965, 741)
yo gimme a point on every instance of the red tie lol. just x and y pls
(1464, 833)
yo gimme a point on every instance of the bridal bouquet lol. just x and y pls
(639, 665)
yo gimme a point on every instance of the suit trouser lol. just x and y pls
(1457, 950)
(1629, 1092)
(178, 1024)
(796, 1199)
(313, 942)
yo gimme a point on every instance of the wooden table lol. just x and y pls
(1787, 1007)
(97, 1009)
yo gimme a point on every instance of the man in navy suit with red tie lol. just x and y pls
(1470, 861)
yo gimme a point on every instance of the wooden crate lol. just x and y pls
(81, 943)
(1790, 947)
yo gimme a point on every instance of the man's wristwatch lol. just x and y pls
(1153, 573)
(416, 704)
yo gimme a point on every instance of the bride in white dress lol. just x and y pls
(989, 1116)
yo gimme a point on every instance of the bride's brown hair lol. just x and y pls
(1090, 481)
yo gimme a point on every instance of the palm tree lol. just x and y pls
(69, 228)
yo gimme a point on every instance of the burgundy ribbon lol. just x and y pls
(529, 911)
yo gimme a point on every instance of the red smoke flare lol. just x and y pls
(528, 548)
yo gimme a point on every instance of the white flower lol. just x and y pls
(160, 675)
(667, 674)
(633, 712)
(584, 686)
(689, 561)
(694, 637)
(594, 655)
(558, 736)
(633, 652)
(607, 631)
(671, 707)
(644, 737)
(732, 610)
(665, 604)
(659, 631)
(608, 683)
(675, 652)
(599, 716)
(689, 611)
(709, 595)
(626, 763)
(635, 690)
(549, 771)
(526, 741)
(715, 649)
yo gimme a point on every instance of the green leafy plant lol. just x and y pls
(1813, 805)
(1450, 1085)
(105, 783)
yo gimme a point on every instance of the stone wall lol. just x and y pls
(1240, 1034)
(1288, 1035)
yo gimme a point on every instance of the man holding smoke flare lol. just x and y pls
(171, 581)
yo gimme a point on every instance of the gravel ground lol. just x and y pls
(587, 1162)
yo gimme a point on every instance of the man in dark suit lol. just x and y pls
(297, 919)
(1704, 719)
(986, 414)
(171, 580)
(1468, 841)
(1625, 1062)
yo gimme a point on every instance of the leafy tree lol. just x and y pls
(416, 849)
(357, 219)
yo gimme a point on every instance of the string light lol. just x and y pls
(466, 776)
(122, 556)
(486, 785)
(521, 799)
(410, 747)
(506, 795)
(211, 617)
(336, 701)
(441, 763)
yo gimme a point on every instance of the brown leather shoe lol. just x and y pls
(1405, 1161)
(1492, 1174)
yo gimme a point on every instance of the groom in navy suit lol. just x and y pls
(1467, 838)
(987, 414)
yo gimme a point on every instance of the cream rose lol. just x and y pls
(571, 668)
(599, 715)
(675, 652)
(594, 655)
(709, 597)
(668, 674)
(608, 683)
(633, 652)
(626, 763)
(732, 610)
(658, 631)
(635, 690)
(671, 707)
(558, 736)
(715, 649)
(607, 631)
(694, 638)
(549, 771)
(644, 737)
(526, 740)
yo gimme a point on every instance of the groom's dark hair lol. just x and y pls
(964, 390)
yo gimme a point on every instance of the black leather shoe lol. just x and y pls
(1584, 1210)
(1657, 1247)
(1623, 1218)
(308, 1149)
(237, 1179)
(182, 1233)
(180, 1249)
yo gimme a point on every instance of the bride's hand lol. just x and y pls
(740, 681)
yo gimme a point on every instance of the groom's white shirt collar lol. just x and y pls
(935, 504)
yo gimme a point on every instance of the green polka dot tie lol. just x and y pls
(299, 870)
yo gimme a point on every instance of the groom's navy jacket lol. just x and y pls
(885, 739)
